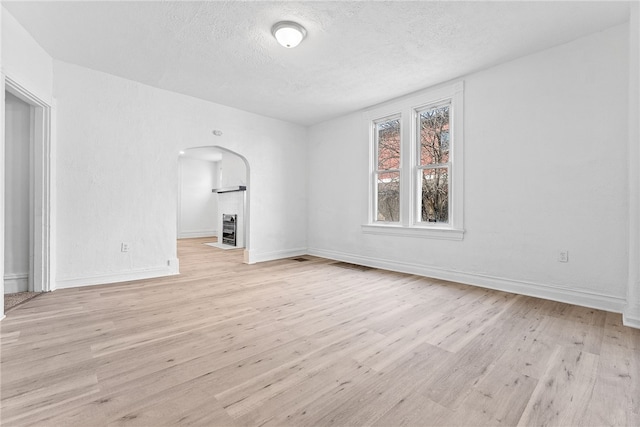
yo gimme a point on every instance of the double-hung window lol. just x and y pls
(387, 173)
(416, 167)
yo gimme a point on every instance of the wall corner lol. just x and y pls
(631, 314)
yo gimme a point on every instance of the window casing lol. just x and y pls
(422, 175)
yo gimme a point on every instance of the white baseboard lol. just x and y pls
(539, 290)
(14, 283)
(631, 320)
(197, 233)
(125, 276)
(253, 256)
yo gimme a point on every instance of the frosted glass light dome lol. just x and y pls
(289, 34)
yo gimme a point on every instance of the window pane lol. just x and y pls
(388, 134)
(434, 135)
(435, 195)
(388, 197)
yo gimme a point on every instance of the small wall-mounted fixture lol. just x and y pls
(217, 132)
(288, 33)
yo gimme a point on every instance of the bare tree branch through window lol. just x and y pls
(434, 164)
(388, 173)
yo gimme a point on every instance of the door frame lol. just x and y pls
(40, 197)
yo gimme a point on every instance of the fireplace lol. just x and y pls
(229, 229)
(230, 218)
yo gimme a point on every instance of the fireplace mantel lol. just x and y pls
(229, 189)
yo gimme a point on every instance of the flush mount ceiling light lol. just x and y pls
(289, 34)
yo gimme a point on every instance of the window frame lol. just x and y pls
(376, 172)
(420, 168)
(408, 109)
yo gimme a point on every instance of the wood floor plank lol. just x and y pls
(307, 401)
(563, 394)
(253, 393)
(502, 394)
(530, 349)
(371, 399)
(310, 343)
(607, 404)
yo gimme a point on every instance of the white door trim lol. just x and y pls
(40, 235)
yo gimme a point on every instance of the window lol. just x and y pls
(433, 166)
(387, 175)
(416, 165)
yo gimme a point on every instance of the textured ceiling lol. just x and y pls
(356, 54)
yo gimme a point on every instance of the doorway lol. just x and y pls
(26, 214)
(18, 275)
(201, 171)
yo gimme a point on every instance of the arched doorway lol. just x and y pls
(201, 170)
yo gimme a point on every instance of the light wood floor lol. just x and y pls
(311, 343)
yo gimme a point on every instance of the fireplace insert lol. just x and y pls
(229, 229)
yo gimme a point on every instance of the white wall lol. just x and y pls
(545, 170)
(632, 311)
(117, 177)
(198, 205)
(2, 166)
(233, 171)
(24, 60)
(16, 208)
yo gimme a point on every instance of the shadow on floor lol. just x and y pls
(13, 300)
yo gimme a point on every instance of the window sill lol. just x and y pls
(415, 231)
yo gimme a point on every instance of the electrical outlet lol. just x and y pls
(124, 247)
(563, 256)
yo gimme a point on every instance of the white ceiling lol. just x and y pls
(356, 54)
